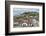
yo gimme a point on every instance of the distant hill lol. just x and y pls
(31, 13)
(27, 14)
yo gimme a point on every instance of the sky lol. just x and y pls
(18, 11)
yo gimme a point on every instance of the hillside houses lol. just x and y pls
(26, 20)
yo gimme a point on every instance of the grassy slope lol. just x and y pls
(27, 14)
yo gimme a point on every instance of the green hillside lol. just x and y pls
(27, 14)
